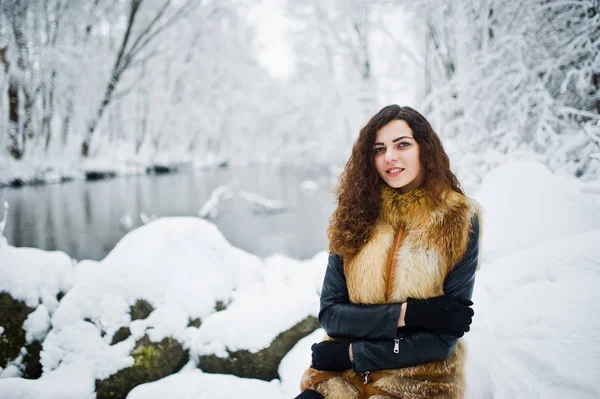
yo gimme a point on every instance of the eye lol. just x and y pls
(379, 150)
(400, 145)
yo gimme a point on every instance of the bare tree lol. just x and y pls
(132, 51)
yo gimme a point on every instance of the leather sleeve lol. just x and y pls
(418, 346)
(341, 319)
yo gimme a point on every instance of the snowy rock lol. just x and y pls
(263, 364)
(152, 361)
(273, 313)
(123, 321)
(13, 314)
(31, 283)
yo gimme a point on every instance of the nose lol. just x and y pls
(391, 155)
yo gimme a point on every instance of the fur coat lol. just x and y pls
(415, 244)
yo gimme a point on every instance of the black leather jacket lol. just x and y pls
(373, 328)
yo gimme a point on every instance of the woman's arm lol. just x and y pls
(341, 319)
(417, 346)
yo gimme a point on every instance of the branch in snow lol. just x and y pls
(594, 137)
(126, 223)
(262, 204)
(3, 225)
(210, 208)
(147, 219)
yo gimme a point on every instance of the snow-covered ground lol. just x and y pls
(536, 332)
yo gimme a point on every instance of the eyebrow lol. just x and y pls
(396, 139)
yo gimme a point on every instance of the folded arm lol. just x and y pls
(417, 346)
(341, 319)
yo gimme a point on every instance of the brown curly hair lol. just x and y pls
(358, 192)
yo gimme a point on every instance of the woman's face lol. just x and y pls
(397, 156)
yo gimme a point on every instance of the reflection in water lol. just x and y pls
(82, 218)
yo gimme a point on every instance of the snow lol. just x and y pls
(525, 204)
(535, 334)
(181, 266)
(288, 292)
(35, 276)
(37, 324)
(538, 310)
(309, 185)
(294, 364)
(198, 385)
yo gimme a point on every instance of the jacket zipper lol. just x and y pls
(366, 381)
(396, 345)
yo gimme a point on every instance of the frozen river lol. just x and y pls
(84, 218)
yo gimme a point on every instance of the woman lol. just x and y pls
(404, 243)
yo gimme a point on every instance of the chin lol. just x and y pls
(396, 184)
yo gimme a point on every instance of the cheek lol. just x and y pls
(379, 164)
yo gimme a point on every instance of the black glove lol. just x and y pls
(443, 314)
(309, 394)
(331, 355)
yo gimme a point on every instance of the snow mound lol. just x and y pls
(287, 292)
(525, 204)
(537, 323)
(198, 385)
(181, 266)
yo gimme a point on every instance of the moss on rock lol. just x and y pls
(195, 323)
(12, 315)
(140, 310)
(263, 364)
(152, 361)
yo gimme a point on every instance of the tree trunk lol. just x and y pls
(13, 118)
(119, 67)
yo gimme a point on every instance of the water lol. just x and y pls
(83, 218)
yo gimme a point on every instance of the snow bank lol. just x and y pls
(525, 204)
(287, 293)
(537, 323)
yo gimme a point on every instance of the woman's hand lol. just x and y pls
(331, 355)
(443, 314)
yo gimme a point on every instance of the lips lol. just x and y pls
(392, 172)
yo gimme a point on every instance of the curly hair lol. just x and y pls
(352, 223)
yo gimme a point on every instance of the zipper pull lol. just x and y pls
(367, 377)
(396, 345)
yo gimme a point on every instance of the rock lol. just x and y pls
(152, 361)
(195, 323)
(12, 315)
(31, 361)
(140, 310)
(161, 169)
(263, 364)
(99, 175)
(121, 335)
(220, 305)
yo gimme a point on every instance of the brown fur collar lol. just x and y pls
(433, 238)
